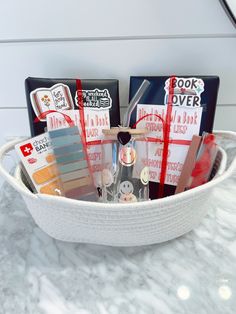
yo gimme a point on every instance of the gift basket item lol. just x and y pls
(125, 176)
(73, 164)
(133, 224)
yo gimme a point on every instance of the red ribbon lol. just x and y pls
(44, 114)
(166, 138)
(177, 142)
(79, 92)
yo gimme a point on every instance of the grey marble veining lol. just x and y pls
(195, 274)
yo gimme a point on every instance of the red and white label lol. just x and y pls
(26, 149)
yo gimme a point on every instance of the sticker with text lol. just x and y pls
(186, 91)
(57, 97)
(95, 99)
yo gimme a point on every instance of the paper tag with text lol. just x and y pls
(185, 122)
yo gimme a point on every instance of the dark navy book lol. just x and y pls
(193, 101)
(43, 94)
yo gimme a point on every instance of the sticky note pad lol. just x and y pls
(72, 164)
(64, 150)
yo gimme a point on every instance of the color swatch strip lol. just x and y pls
(72, 165)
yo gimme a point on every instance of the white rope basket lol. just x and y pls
(119, 224)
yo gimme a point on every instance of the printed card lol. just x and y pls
(185, 122)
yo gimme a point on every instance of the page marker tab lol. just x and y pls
(73, 166)
(65, 140)
(71, 157)
(67, 149)
(75, 174)
(64, 132)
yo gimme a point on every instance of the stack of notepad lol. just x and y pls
(74, 171)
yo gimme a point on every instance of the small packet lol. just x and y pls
(38, 162)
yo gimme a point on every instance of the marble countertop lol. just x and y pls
(194, 274)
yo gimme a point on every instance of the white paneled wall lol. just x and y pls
(108, 18)
(116, 58)
(112, 39)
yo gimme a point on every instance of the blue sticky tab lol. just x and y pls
(64, 132)
(68, 149)
(72, 167)
(65, 140)
(70, 158)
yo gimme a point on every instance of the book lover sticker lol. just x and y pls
(186, 91)
(95, 99)
(57, 97)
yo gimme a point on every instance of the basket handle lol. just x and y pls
(229, 135)
(7, 176)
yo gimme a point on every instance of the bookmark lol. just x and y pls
(206, 157)
(188, 164)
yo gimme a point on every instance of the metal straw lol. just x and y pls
(134, 101)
